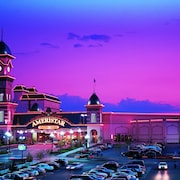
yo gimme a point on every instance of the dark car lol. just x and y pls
(113, 165)
(132, 153)
(54, 164)
(62, 162)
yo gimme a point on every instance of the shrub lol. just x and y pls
(29, 157)
(40, 155)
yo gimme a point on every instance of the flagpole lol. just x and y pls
(94, 81)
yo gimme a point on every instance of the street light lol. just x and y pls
(83, 116)
(52, 137)
(8, 135)
(87, 137)
(71, 132)
(79, 136)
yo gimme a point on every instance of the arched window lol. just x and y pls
(35, 107)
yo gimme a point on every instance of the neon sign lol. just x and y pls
(48, 120)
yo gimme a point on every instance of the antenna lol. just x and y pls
(94, 81)
(2, 33)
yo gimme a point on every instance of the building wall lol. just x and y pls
(149, 127)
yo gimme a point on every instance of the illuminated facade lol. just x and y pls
(38, 116)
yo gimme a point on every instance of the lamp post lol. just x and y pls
(87, 140)
(62, 138)
(8, 135)
(79, 136)
(22, 147)
(52, 137)
(71, 132)
(83, 116)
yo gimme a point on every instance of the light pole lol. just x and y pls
(8, 135)
(87, 140)
(79, 136)
(62, 142)
(21, 139)
(83, 118)
(71, 132)
(52, 137)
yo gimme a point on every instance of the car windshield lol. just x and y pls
(162, 163)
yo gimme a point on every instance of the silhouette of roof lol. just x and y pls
(4, 49)
(94, 100)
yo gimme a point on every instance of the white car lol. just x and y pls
(129, 177)
(130, 172)
(74, 165)
(162, 165)
(46, 166)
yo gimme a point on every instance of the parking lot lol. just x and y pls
(114, 154)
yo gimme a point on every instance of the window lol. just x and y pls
(1, 96)
(1, 116)
(93, 118)
(9, 116)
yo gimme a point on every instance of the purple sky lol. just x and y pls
(131, 47)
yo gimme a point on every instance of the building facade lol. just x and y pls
(38, 117)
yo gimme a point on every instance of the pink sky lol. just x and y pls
(131, 48)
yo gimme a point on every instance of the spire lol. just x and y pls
(94, 86)
(2, 33)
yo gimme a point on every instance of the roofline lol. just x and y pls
(6, 76)
(136, 113)
(13, 57)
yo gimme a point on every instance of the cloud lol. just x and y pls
(145, 106)
(73, 36)
(95, 45)
(96, 37)
(48, 45)
(76, 103)
(91, 38)
(72, 103)
(26, 52)
(78, 45)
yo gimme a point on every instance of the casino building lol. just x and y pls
(39, 118)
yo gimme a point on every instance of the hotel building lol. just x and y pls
(24, 110)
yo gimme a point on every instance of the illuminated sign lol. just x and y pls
(48, 120)
(48, 127)
(22, 147)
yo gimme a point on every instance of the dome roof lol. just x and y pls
(4, 49)
(94, 100)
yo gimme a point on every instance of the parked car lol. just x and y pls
(74, 165)
(134, 167)
(162, 165)
(19, 175)
(138, 161)
(47, 167)
(35, 172)
(7, 176)
(132, 153)
(95, 176)
(99, 173)
(39, 169)
(130, 172)
(62, 162)
(105, 170)
(150, 154)
(54, 164)
(113, 165)
(120, 177)
(117, 174)
(81, 177)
